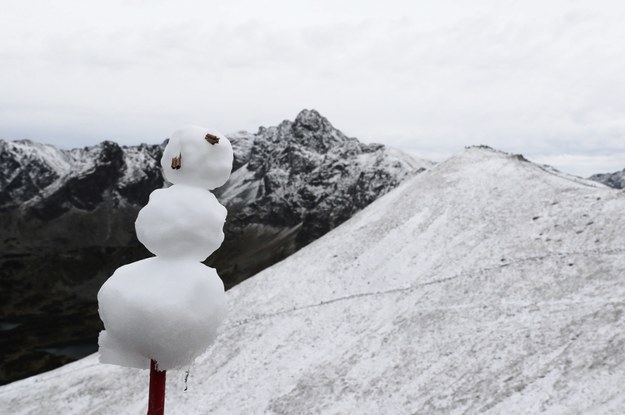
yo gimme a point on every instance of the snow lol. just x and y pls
(56, 159)
(241, 187)
(168, 308)
(204, 165)
(45, 166)
(414, 162)
(136, 160)
(181, 222)
(162, 309)
(242, 143)
(486, 285)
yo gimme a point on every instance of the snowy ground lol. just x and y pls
(486, 285)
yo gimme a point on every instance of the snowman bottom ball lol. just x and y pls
(160, 309)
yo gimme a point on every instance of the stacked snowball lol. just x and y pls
(168, 307)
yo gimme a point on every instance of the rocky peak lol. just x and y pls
(311, 120)
(311, 174)
(313, 130)
(110, 152)
(292, 144)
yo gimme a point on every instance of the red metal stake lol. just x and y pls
(156, 400)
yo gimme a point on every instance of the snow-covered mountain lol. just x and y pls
(293, 183)
(300, 178)
(487, 285)
(68, 217)
(615, 180)
(47, 181)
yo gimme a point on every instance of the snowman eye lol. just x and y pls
(176, 162)
(213, 139)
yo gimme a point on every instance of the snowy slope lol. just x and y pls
(486, 285)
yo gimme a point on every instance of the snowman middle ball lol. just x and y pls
(181, 222)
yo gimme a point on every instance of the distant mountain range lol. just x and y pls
(67, 221)
(486, 285)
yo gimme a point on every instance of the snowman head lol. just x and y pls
(197, 156)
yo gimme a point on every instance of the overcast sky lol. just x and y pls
(543, 78)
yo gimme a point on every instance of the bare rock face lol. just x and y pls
(68, 219)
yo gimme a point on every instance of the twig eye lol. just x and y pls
(213, 139)
(176, 162)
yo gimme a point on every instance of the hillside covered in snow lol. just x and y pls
(487, 285)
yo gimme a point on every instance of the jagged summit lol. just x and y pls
(310, 130)
(486, 285)
(312, 120)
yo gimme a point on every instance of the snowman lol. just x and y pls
(167, 308)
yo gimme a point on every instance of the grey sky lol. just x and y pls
(543, 78)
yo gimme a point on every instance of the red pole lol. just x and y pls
(156, 400)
